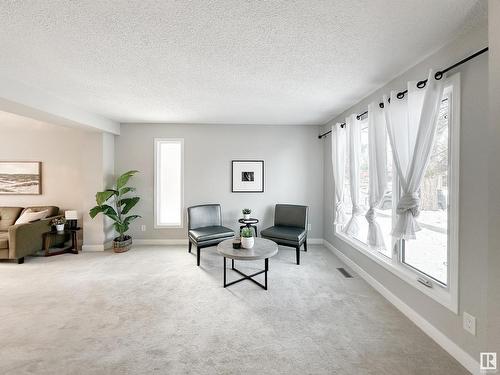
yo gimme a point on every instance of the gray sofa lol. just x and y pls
(290, 227)
(205, 227)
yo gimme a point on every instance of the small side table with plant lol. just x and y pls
(247, 221)
(59, 236)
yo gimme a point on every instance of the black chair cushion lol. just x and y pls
(294, 234)
(210, 233)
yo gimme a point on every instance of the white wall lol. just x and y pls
(494, 181)
(473, 190)
(57, 147)
(76, 163)
(293, 170)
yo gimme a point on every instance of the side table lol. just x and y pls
(73, 249)
(249, 223)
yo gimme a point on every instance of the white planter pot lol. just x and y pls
(247, 242)
(59, 227)
(246, 216)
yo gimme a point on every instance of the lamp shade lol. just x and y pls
(71, 215)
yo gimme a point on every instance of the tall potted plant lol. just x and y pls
(115, 204)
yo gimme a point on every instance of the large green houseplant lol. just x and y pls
(116, 204)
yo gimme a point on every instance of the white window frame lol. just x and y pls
(446, 295)
(157, 142)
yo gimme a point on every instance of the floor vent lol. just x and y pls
(344, 272)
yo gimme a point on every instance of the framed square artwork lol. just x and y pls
(248, 176)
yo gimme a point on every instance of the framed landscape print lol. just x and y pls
(20, 177)
(248, 176)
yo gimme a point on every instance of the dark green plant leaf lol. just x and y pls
(95, 210)
(121, 227)
(110, 212)
(128, 204)
(123, 179)
(103, 196)
(128, 219)
(125, 190)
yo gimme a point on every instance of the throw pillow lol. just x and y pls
(29, 216)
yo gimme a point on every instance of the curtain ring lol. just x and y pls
(381, 105)
(400, 95)
(438, 75)
(421, 84)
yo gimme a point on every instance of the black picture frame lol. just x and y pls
(239, 163)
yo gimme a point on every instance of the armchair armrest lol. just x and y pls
(26, 239)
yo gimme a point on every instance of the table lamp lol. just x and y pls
(71, 218)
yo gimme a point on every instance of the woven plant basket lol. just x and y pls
(122, 246)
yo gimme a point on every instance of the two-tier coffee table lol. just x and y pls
(262, 249)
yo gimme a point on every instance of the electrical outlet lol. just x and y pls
(143, 228)
(470, 323)
(309, 226)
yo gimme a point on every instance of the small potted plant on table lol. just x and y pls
(59, 223)
(246, 213)
(247, 239)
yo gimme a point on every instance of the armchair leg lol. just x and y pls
(190, 245)
(20, 260)
(198, 255)
(297, 250)
(305, 245)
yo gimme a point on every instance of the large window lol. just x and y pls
(384, 211)
(168, 182)
(429, 252)
(433, 255)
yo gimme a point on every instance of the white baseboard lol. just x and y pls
(105, 246)
(92, 247)
(315, 241)
(165, 241)
(464, 358)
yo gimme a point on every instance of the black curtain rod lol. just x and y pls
(420, 84)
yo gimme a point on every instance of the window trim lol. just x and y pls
(446, 295)
(157, 142)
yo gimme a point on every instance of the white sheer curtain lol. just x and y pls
(353, 129)
(339, 143)
(377, 150)
(411, 124)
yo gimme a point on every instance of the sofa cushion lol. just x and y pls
(53, 210)
(210, 233)
(284, 232)
(4, 240)
(29, 216)
(8, 216)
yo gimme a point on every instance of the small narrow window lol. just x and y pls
(168, 182)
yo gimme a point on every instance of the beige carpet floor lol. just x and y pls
(152, 311)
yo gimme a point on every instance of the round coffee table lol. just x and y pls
(262, 249)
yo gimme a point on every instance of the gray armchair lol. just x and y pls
(205, 227)
(290, 227)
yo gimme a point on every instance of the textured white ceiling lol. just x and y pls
(240, 61)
